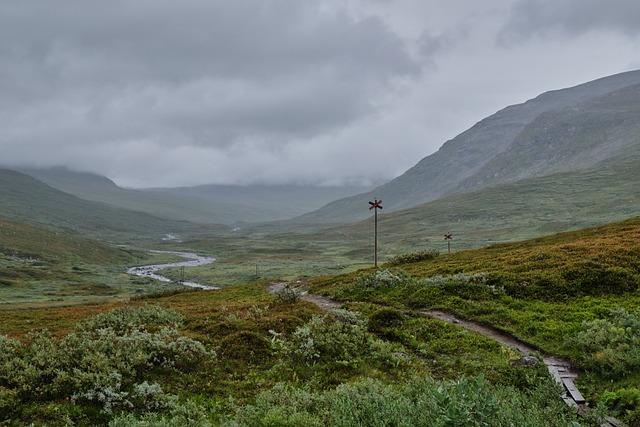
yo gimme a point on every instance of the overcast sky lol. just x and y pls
(158, 93)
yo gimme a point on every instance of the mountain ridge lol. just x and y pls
(26, 199)
(204, 204)
(462, 157)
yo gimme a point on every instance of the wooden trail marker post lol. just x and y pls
(375, 205)
(448, 237)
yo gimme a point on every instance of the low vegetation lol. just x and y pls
(610, 345)
(413, 257)
(240, 356)
(102, 367)
(44, 266)
(574, 295)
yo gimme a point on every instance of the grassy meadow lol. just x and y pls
(42, 266)
(240, 356)
(561, 293)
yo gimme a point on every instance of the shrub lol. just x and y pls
(182, 414)
(383, 279)
(414, 257)
(417, 402)
(131, 318)
(8, 402)
(287, 295)
(610, 346)
(592, 278)
(625, 403)
(346, 316)
(101, 363)
(329, 346)
(432, 290)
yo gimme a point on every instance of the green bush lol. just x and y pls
(414, 257)
(102, 363)
(287, 295)
(126, 319)
(323, 345)
(383, 279)
(610, 346)
(592, 278)
(182, 414)
(624, 403)
(346, 316)
(433, 290)
(417, 402)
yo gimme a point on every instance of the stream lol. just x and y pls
(193, 260)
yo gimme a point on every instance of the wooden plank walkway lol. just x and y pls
(573, 391)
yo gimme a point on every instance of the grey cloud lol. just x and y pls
(203, 72)
(432, 45)
(572, 17)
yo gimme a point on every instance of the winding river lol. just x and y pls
(193, 260)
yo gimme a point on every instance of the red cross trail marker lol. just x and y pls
(448, 237)
(375, 205)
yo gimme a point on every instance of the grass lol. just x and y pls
(277, 256)
(238, 323)
(42, 266)
(540, 290)
(289, 251)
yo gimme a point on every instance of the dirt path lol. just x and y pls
(561, 370)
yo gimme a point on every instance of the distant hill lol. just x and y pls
(26, 199)
(207, 204)
(608, 191)
(27, 241)
(559, 131)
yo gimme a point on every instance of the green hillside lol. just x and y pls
(564, 130)
(39, 265)
(26, 199)
(609, 191)
(24, 240)
(165, 204)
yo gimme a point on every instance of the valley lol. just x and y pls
(544, 292)
(258, 304)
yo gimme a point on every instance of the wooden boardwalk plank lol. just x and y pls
(615, 422)
(573, 390)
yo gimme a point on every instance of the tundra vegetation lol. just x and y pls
(242, 356)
